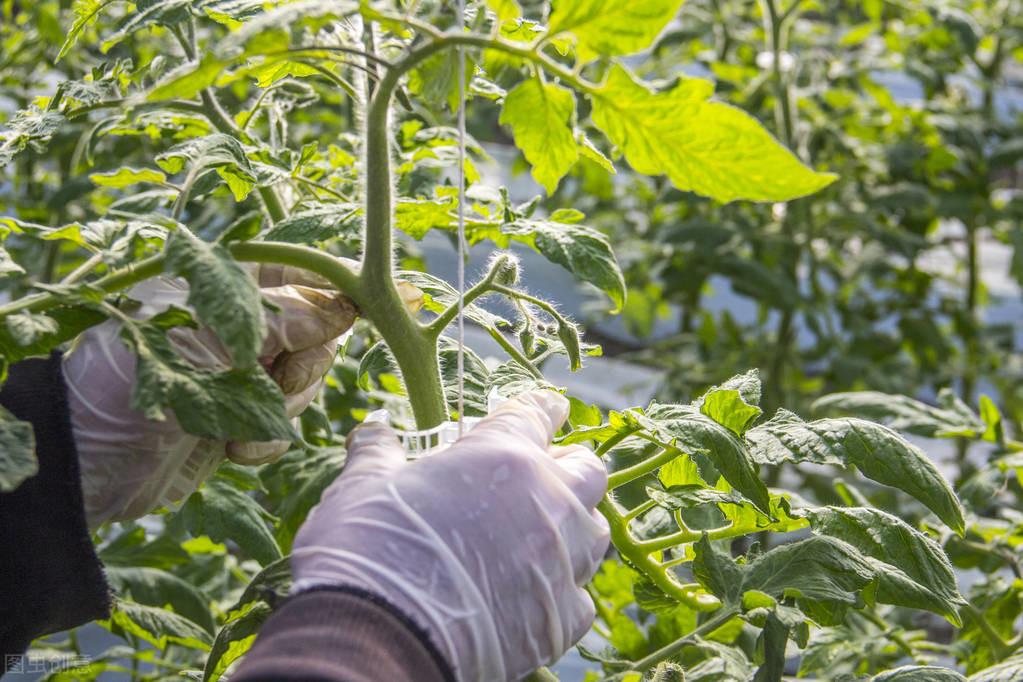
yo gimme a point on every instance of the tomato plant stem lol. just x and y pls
(647, 466)
(999, 647)
(639, 556)
(669, 651)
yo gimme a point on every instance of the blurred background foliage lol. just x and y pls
(902, 277)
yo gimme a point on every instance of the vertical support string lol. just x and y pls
(463, 251)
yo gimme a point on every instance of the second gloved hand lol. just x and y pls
(129, 464)
(486, 545)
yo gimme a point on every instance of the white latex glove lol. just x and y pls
(130, 464)
(485, 545)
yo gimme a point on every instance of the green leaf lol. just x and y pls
(375, 362)
(435, 80)
(1009, 670)
(234, 639)
(717, 572)
(590, 151)
(156, 587)
(218, 151)
(610, 27)
(819, 568)
(992, 418)
(1000, 603)
(237, 404)
(225, 298)
(475, 376)
(32, 126)
(86, 12)
(912, 569)
(157, 626)
(771, 642)
(727, 407)
(581, 250)
(265, 32)
(271, 585)
(952, 417)
(149, 13)
(505, 9)
(511, 379)
(416, 217)
(17, 452)
(705, 147)
(877, 451)
(71, 320)
(187, 80)
(226, 514)
(7, 265)
(125, 177)
(27, 328)
(919, 673)
(316, 223)
(439, 296)
(692, 495)
(541, 116)
(693, 432)
(295, 483)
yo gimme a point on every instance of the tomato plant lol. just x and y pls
(183, 137)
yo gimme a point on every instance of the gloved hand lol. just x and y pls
(485, 545)
(130, 464)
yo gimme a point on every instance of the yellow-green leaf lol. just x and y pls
(590, 151)
(705, 147)
(187, 80)
(611, 27)
(540, 115)
(124, 177)
(505, 9)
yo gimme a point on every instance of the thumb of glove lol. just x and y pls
(373, 450)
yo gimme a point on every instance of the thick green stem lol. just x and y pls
(414, 347)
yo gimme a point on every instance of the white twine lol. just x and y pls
(463, 250)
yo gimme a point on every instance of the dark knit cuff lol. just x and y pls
(50, 576)
(334, 634)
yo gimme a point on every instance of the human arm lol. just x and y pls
(484, 548)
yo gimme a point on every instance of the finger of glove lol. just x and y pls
(373, 450)
(581, 614)
(532, 418)
(584, 533)
(308, 318)
(296, 372)
(251, 454)
(295, 404)
(274, 275)
(582, 471)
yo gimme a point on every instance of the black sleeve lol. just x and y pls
(50, 577)
(342, 635)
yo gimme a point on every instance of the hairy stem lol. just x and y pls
(671, 650)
